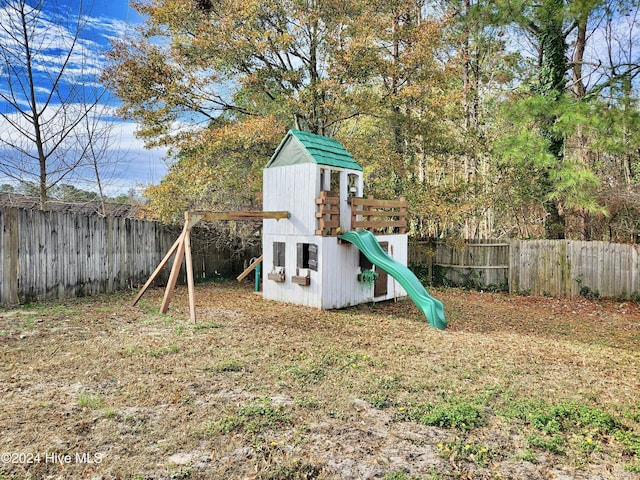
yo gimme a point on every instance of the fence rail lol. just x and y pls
(559, 268)
(48, 254)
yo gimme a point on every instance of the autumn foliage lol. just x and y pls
(439, 101)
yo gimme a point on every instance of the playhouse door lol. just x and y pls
(380, 286)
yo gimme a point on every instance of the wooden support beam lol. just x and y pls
(190, 285)
(329, 223)
(379, 224)
(327, 201)
(175, 270)
(157, 271)
(379, 203)
(193, 217)
(249, 269)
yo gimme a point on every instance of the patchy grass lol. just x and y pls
(516, 387)
(449, 413)
(89, 401)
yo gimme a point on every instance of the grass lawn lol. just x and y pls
(516, 387)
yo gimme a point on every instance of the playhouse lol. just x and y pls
(323, 244)
(305, 262)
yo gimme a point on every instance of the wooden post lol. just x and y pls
(249, 269)
(175, 270)
(190, 286)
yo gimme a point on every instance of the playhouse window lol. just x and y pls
(352, 182)
(335, 181)
(330, 180)
(324, 182)
(278, 254)
(365, 263)
(308, 256)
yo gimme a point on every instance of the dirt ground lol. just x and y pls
(516, 388)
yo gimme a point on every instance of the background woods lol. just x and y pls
(494, 119)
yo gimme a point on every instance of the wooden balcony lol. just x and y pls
(379, 216)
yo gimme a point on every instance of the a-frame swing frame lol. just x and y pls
(182, 250)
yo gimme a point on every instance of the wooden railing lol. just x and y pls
(379, 216)
(328, 214)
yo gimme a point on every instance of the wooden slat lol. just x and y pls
(378, 203)
(329, 223)
(378, 224)
(327, 201)
(9, 256)
(476, 267)
(380, 212)
(324, 212)
(249, 269)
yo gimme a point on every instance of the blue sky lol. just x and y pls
(134, 166)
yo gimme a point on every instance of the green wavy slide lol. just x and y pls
(368, 244)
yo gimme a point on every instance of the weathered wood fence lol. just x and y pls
(559, 268)
(48, 254)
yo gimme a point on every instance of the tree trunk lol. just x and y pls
(552, 83)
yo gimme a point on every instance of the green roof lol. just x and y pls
(322, 150)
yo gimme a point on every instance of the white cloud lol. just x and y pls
(125, 163)
(52, 40)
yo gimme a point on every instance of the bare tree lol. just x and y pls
(48, 93)
(97, 137)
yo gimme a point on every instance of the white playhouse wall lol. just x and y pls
(335, 284)
(287, 291)
(295, 188)
(341, 266)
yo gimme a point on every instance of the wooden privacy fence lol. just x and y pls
(559, 268)
(569, 268)
(48, 254)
